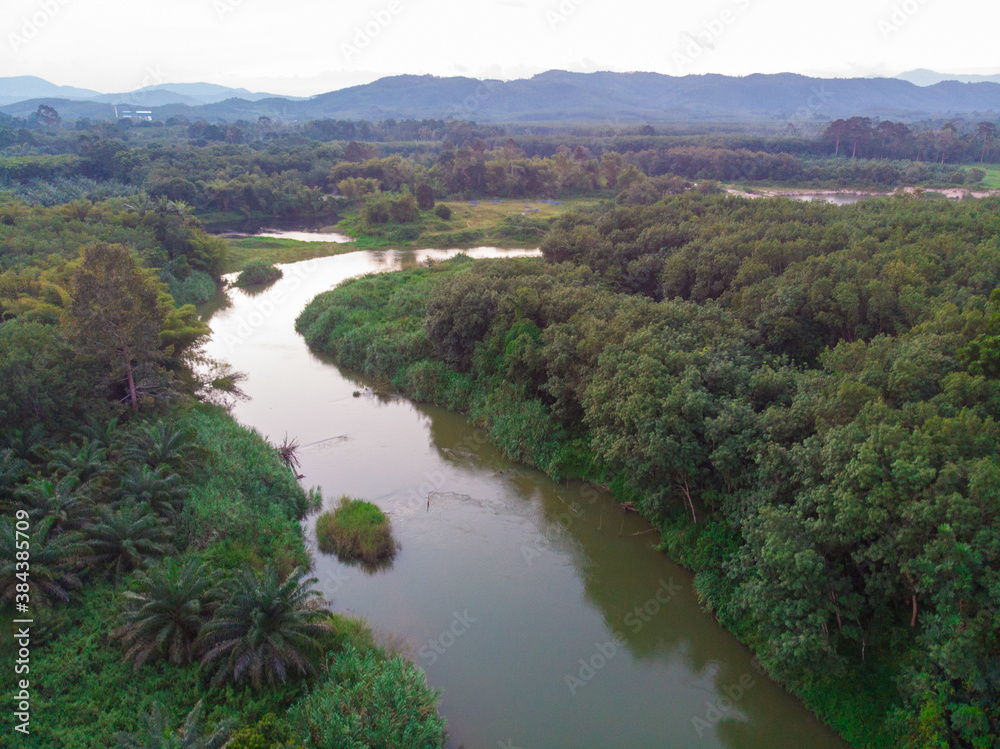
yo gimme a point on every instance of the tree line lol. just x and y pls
(803, 398)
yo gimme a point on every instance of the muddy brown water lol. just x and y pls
(542, 612)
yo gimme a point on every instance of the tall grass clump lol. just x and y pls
(357, 531)
(258, 273)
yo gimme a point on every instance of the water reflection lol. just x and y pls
(579, 633)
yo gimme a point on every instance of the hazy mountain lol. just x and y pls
(26, 88)
(924, 77)
(21, 87)
(192, 94)
(592, 97)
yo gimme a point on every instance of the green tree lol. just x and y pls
(164, 616)
(115, 314)
(52, 562)
(267, 629)
(63, 501)
(425, 196)
(125, 539)
(157, 734)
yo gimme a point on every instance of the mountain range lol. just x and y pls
(28, 87)
(548, 97)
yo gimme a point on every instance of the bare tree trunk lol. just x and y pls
(131, 380)
(913, 619)
(690, 503)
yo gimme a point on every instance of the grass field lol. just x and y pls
(992, 179)
(485, 215)
(472, 224)
(280, 251)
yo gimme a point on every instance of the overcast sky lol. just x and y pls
(304, 47)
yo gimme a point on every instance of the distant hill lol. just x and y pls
(26, 88)
(924, 77)
(21, 87)
(586, 97)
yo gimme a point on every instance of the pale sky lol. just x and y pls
(305, 47)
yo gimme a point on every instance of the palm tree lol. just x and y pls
(51, 574)
(164, 617)
(109, 436)
(88, 460)
(288, 452)
(64, 501)
(160, 489)
(157, 735)
(124, 539)
(12, 470)
(267, 628)
(161, 444)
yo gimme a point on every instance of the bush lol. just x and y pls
(425, 197)
(371, 701)
(404, 210)
(443, 212)
(356, 531)
(258, 273)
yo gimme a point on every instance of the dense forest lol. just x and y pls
(154, 541)
(270, 169)
(803, 399)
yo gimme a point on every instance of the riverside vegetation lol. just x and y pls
(802, 398)
(356, 531)
(167, 571)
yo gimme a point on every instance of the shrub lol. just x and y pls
(368, 700)
(425, 197)
(443, 212)
(356, 531)
(258, 273)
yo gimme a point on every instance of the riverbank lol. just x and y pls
(756, 473)
(495, 553)
(850, 196)
(388, 352)
(241, 512)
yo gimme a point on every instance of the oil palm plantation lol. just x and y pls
(267, 630)
(163, 445)
(156, 734)
(161, 489)
(63, 500)
(164, 616)
(53, 563)
(88, 460)
(125, 539)
(109, 436)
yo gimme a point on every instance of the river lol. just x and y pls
(541, 611)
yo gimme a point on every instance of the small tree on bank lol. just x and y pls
(115, 315)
